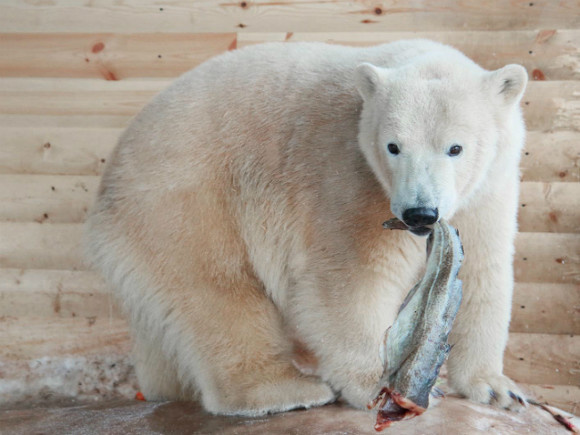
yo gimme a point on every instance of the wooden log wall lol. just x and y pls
(72, 76)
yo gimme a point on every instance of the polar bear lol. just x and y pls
(240, 214)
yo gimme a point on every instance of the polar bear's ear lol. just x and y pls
(508, 82)
(368, 79)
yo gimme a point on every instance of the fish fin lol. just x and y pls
(383, 347)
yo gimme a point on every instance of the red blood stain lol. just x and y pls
(140, 396)
(98, 47)
(537, 74)
(553, 216)
(289, 35)
(369, 21)
(234, 44)
(562, 174)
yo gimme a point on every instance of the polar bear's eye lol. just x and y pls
(455, 150)
(393, 149)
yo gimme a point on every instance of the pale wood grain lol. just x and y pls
(540, 257)
(41, 246)
(544, 207)
(46, 198)
(108, 56)
(36, 337)
(546, 54)
(55, 293)
(537, 307)
(548, 157)
(549, 207)
(543, 359)
(266, 16)
(551, 156)
(547, 257)
(57, 151)
(546, 308)
(547, 106)
(530, 358)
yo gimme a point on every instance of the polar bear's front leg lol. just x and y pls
(342, 321)
(480, 332)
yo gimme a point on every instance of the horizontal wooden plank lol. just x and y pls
(545, 207)
(540, 257)
(551, 156)
(547, 106)
(529, 358)
(549, 207)
(543, 359)
(547, 257)
(552, 106)
(55, 293)
(293, 16)
(41, 246)
(63, 151)
(546, 308)
(546, 54)
(38, 337)
(108, 56)
(46, 198)
(537, 307)
(565, 397)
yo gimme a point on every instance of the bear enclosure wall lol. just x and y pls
(71, 77)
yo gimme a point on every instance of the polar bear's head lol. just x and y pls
(430, 131)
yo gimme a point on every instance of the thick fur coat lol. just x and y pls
(241, 214)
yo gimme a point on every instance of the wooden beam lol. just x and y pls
(546, 308)
(26, 338)
(547, 258)
(537, 307)
(547, 105)
(551, 156)
(288, 16)
(544, 207)
(548, 157)
(540, 257)
(546, 54)
(549, 207)
(46, 198)
(57, 151)
(543, 359)
(55, 293)
(529, 358)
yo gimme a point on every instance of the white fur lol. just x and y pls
(242, 209)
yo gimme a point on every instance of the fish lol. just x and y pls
(415, 346)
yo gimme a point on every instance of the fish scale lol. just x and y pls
(415, 346)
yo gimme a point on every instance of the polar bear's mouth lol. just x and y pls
(420, 231)
(397, 224)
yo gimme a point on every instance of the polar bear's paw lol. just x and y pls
(494, 389)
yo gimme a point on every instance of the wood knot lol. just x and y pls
(98, 47)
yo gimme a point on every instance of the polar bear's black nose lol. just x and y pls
(420, 216)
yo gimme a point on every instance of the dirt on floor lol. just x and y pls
(450, 415)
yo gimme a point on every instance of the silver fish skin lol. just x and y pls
(415, 346)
